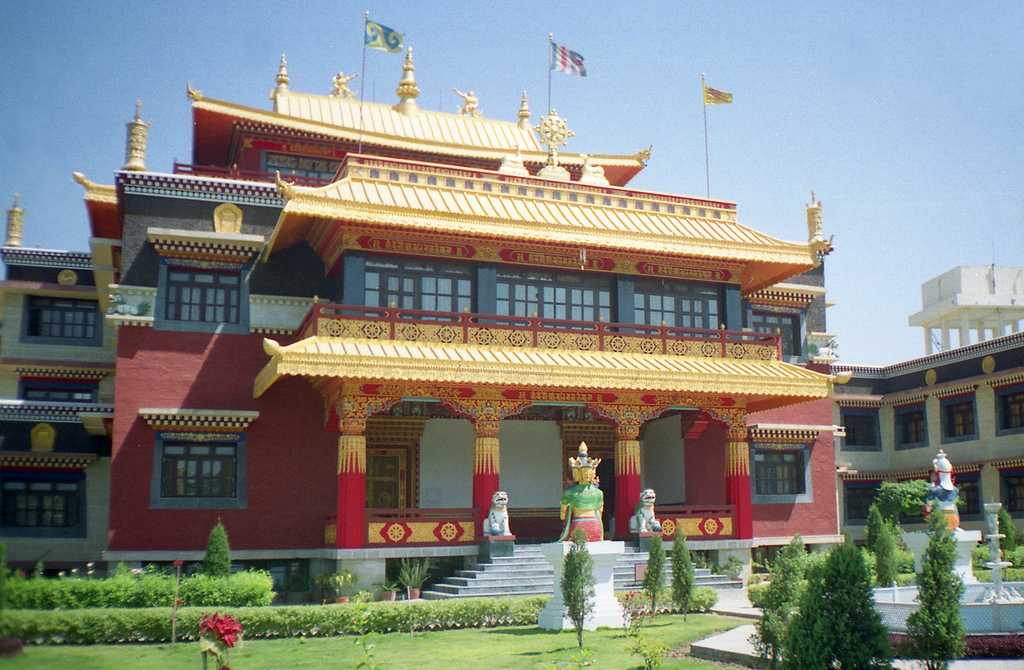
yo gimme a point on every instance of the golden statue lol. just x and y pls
(470, 103)
(583, 502)
(339, 85)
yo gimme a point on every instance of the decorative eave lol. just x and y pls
(1008, 379)
(50, 412)
(1012, 462)
(951, 390)
(99, 193)
(912, 397)
(47, 289)
(46, 460)
(851, 400)
(102, 205)
(46, 258)
(194, 187)
(786, 295)
(234, 248)
(92, 374)
(202, 420)
(978, 350)
(903, 475)
(790, 433)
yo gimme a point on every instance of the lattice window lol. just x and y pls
(202, 296)
(787, 326)
(779, 472)
(199, 470)
(41, 504)
(63, 319)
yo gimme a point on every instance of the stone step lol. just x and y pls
(509, 589)
(499, 574)
(494, 583)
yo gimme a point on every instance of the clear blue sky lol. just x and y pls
(908, 121)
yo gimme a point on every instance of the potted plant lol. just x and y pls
(412, 574)
(389, 590)
(334, 586)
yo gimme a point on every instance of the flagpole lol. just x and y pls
(362, 80)
(551, 64)
(707, 153)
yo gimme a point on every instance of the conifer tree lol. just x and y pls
(1009, 541)
(885, 556)
(217, 561)
(578, 584)
(780, 600)
(873, 527)
(837, 625)
(654, 578)
(682, 573)
(936, 630)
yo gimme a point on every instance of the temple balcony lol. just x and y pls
(410, 325)
(234, 172)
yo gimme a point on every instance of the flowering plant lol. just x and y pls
(217, 634)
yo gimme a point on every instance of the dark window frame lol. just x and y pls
(55, 480)
(51, 390)
(398, 283)
(899, 416)
(970, 489)
(564, 296)
(790, 334)
(159, 479)
(969, 418)
(305, 166)
(161, 322)
(861, 413)
(758, 452)
(34, 313)
(1012, 493)
(1004, 395)
(650, 297)
(860, 487)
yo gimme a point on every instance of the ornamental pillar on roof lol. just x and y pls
(135, 148)
(407, 89)
(15, 223)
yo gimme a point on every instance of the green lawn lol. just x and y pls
(490, 648)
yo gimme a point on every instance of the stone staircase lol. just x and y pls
(527, 573)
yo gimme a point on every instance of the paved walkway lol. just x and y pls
(734, 602)
(734, 646)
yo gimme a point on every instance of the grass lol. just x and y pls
(517, 647)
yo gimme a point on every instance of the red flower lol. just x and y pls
(178, 563)
(223, 626)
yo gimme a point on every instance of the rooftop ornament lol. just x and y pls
(15, 223)
(524, 112)
(281, 80)
(554, 133)
(470, 103)
(513, 164)
(135, 149)
(592, 174)
(339, 85)
(815, 235)
(407, 89)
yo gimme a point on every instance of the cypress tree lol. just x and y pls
(682, 573)
(837, 625)
(654, 578)
(780, 600)
(578, 584)
(873, 528)
(1010, 541)
(3, 576)
(885, 557)
(935, 630)
(217, 561)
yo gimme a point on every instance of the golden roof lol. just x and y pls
(455, 201)
(362, 359)
(427, 131)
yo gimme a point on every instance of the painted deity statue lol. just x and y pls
(583, 502)
(942, 493)
(643, 519)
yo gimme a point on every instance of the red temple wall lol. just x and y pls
(704, 459)
(291, 460)
(810, 518)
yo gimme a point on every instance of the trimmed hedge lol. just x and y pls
(149, 589)
(996, 645)
(121, 625)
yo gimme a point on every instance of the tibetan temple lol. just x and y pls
(341, 331)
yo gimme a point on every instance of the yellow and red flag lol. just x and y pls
(715, 97)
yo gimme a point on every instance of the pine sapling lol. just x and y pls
(654, 578)
(682, 573)
(578, 584)
(217, 561)
(936, 631)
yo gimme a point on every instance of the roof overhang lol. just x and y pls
(102, 206)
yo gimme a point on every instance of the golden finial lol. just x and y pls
(15, 223)
(407, 89)
(339, 85)
(644, 155)
(524, 111)
(193, 94)
(135, 147)
(584, 468)
(286, 190)
(815, 229)
(281, 80)
(554, 133)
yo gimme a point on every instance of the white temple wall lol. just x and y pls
(446, 464)
(661, 454)
(531, 463)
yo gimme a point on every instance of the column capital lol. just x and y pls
(628, 430)
(486, 426)
(352, 425)
(352, 454)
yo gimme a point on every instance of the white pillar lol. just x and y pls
(945, 337)
(965, 332)
(928, 340)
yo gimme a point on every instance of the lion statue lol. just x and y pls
(496, 522)
(643, 520)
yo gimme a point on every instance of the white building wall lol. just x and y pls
(661, 452)
(531, 463)
(446, 464)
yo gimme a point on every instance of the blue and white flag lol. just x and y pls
(381, 37)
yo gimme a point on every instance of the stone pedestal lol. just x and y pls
(643, 541)
(607, 612)
(966, 541)
(497, 545)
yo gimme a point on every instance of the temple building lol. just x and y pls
(340, 330)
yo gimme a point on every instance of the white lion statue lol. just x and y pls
(496, 522)
(643, 520)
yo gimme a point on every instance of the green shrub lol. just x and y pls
(885, 557)
(1009, 575)
(779, 601)
(3, 577)
(979, 556)
(682, 572)
(654, 578)
(149, 589)
(906, 580)
(650, 651)
(217, 561)
(1016, 557)
(756, 594)
(578, 584)
(116, 626)
(1009, 541)
(935, 632)
(873, 528)
(895, 499)
(702, 599)
(904, 560)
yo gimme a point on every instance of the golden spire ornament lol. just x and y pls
(524, 112)
(554, 133)
(407, 89)
(281, 80)
(135, 147)
(15, 222)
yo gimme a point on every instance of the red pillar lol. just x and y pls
(486, 468)
(737, 483)
(351, 513)
(627, 475)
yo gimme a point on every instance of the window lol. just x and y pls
(858, 499)
(552, 295)
(1013, 490)
(861, 430)
(779, 472)
(301, 166)
(205, 297)
(30, 503)
(58, 391)
(1010, 406)
(414, 284)
(970, 493)
(786, 326)
(63, 320)
(198, 470)
(911, 427)
(958, 419)
(677, 304)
